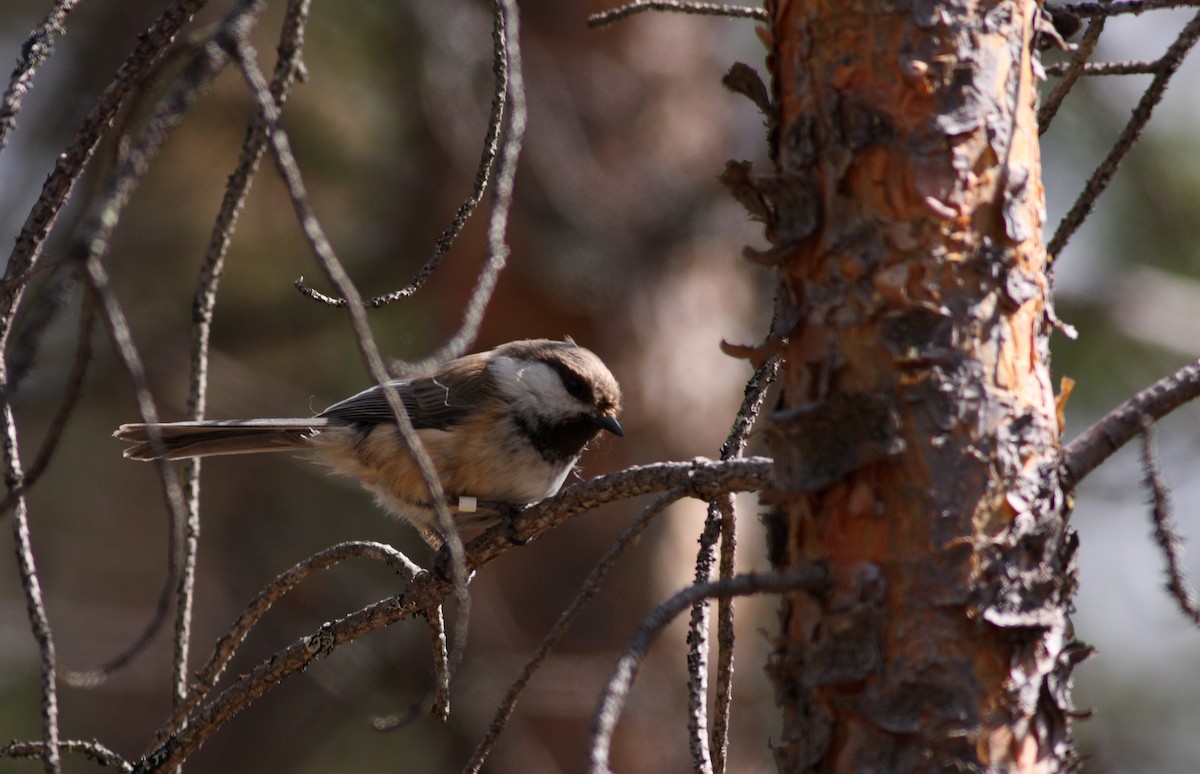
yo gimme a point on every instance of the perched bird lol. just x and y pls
(503, 426)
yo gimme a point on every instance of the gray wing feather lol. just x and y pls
(434, 402)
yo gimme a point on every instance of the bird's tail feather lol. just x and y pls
(177, 440)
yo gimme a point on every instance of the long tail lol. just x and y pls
(219, 436)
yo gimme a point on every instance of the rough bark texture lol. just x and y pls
(917, 438)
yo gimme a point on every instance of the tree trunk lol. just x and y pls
(917, 438)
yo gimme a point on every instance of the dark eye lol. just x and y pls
(576, 387)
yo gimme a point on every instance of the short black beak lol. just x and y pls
(609, 422)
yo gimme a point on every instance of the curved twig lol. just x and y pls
(35, 605)
(1107, 8)
(93, 243)
(700, 477)
(612, 699)
(1165, 535)
(70, 163)
(1074, 69)
(285, 161)
(229, 642)
(709, 749)
(92, 750)
(506, 170)
(1168, 65)
(39, 46)
(287, 68)
(483, 171)
(66, 406)
(605, 18)
(590, 587)
(1124, 423)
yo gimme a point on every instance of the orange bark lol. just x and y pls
(917, 440)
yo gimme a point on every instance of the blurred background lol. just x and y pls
(621, 237)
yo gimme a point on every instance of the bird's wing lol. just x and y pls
(437, 402)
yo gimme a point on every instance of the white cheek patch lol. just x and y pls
(534, 388)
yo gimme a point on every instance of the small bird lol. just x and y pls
(504, 426)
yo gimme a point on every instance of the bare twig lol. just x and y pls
(437, 698)
(612, 699)
(368, 349)
(93, 243)
(709, 754)
(700, 477)
(1107, 68)
(92, 750)
(1102, 176)
(204, 300)
(1124, 423)
(39, 46)
(506, 169)
(441, 665)
(1165, 535)
(590, 588)
(1071, 74)
(605, 18)
(1124, 7)
(483, 171)
(34, 604)
(73, 391)
(71, 161)
(229, 642)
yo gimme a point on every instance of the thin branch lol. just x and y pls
(1125, 7)
(437, 698)
(1140, 67)
(1165, 535)
(605, 18)
(441, 665)
(66, 406)
(1074, 69)
(719, 525)
(698, 478)
(590, 588)
(483, 171)
(34, 604)
(93, 243)
(616, 691)
(336, 273)
(1124, 423)
(71, 162)
(229, 642)
(287, 68)
(38, 47)
(92, 750)
(1103, 174)
(506, 170)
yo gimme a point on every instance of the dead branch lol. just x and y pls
(71, 162)
(39, 46)
(92, 750)
(605, 18)
(1165, 534)
(287, 68)
(1123, 7)
(1168, 65)
(285, 161)
(708, 754)
(227, 645)
(698, 478)
(590, 588)
(1124, 423)
(612, 700)
(483, 171)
